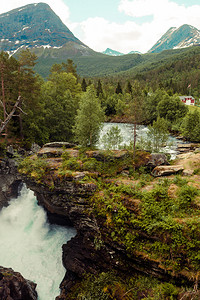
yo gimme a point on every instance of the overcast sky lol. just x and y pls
(122, 25)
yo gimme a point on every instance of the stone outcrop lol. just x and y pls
(9, 181)
(91, 250)
(166, 170)
(157, 159)
(181, 148)
(14, 287)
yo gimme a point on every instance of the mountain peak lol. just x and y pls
(111, 52)
(182, 37)
(33, 25)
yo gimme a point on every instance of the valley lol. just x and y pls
(107, 144)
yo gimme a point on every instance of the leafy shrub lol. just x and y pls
(179, 180)
(186, 196)
(36, 168)
(167, 291)
(91, 164)
(65, 155)
(3, 149)
(72, 164)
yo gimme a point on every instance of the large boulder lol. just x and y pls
(166, 170)
(9, 181)
(13, 286)
(157, 159)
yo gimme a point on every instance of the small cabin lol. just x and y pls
(188, 100)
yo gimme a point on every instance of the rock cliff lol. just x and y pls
(92, 250)
(14, 287)
(68, 201)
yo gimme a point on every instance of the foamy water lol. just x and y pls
(31, 246)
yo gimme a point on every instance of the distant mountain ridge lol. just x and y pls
(111, 52)
(33, 25)
(37, 27)
(177, 38)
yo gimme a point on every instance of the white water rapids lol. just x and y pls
(31, 246)
(127, 131)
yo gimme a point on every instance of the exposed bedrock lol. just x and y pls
(91, 250)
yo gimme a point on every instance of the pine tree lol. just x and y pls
(118, 89)
(84, 85)
(99, 89)
(70, 67)
(129, 88)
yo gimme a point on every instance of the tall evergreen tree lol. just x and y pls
(99, 92)
(68, 67)
(27, 81)
(118, 89)
(129, 88)
(84, 85)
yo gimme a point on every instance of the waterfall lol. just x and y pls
(31, 246)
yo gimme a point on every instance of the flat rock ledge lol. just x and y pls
(182, 148)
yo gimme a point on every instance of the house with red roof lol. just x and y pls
(188, 100)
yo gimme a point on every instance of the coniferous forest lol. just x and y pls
(150, 225)
(49, 106)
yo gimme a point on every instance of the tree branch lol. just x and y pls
(5, 123)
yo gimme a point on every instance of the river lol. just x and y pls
(127, 135)
(31, 246)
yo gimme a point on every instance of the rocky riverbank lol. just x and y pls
(13, 285)
(69, 200)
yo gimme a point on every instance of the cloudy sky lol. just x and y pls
(122, 25)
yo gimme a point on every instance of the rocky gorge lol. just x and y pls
(69, 200)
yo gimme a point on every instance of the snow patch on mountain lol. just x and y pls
(176, 38)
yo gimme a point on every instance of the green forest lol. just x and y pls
(151, 219)
(50, 109)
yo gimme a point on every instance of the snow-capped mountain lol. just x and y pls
(33, 25)
(175, 38)
(111, 52)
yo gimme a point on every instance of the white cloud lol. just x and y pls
(165, 14)
(99, 33)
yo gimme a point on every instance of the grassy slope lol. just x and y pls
(90, 63)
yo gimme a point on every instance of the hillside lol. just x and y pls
(173, 70)
(176, 38)
(37, 27)
(33, 26)
(131, 230)
(92, 63)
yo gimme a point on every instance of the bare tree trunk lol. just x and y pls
(134, 139)
(20, 115)
(6, 121)
(3, 98)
